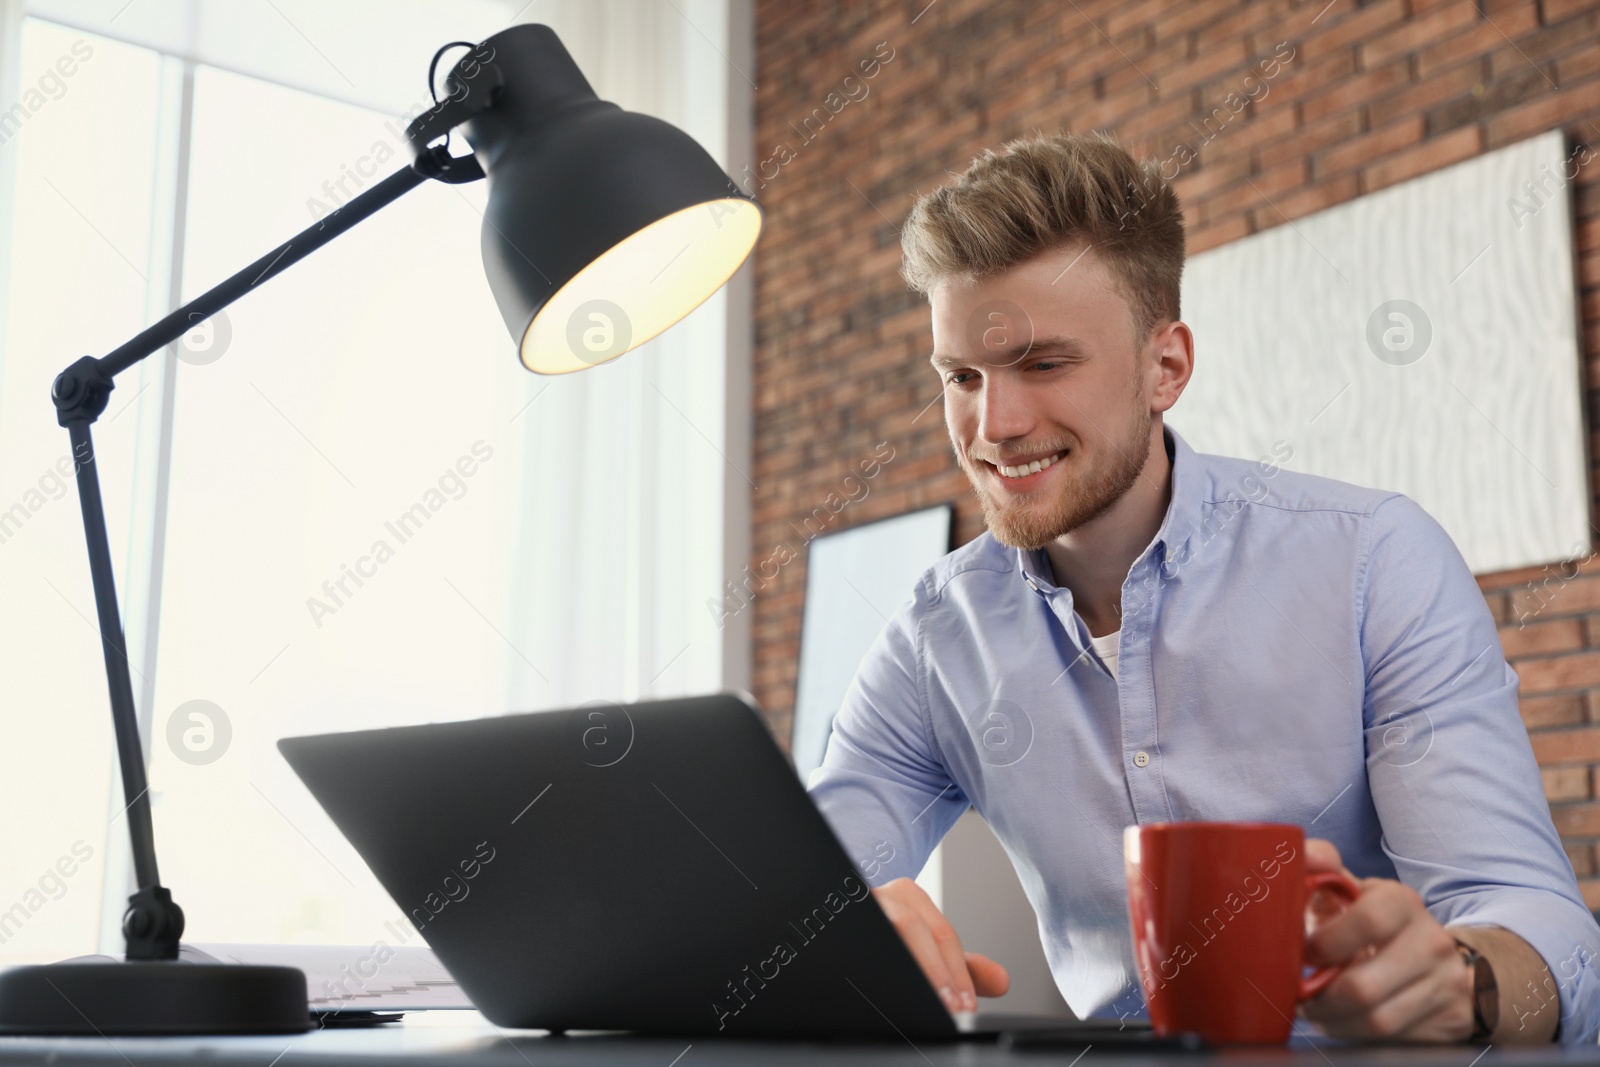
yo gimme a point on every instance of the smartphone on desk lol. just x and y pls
(1103, 1034)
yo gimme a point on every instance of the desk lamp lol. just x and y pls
(603, 228)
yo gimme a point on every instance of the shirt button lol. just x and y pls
(1141, 759)
(1035, 588)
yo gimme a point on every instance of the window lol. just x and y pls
(368, 513)
(76, 229)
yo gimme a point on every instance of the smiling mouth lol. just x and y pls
(1023, 470)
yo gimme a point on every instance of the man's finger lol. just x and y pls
(1435, 1007)
(1384, 909)
(1422, 951)
(913, 930)
(1442, 1012)
(1322, 855)
(988, 977)
(949, 947)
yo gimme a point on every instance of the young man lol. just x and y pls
(1146, 634)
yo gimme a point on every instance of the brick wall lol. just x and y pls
(1374, 94)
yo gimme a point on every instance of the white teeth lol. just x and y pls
(1029, 468)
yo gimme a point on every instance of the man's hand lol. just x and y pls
(960, 977)
(1404, 979)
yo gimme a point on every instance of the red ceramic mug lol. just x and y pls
(1219, 926)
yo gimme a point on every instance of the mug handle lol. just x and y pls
(1340, 886)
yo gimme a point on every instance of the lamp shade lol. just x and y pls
(604, 227)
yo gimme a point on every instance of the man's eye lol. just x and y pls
(1047, 364)
(959, 377)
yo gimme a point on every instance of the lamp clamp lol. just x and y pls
(471, 87)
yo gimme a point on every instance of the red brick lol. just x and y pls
(1478, 39)
(1344, 26)
(1416, 33)
(1576, 820)
(1556, 10)
(1449, 84)
(1310, 139)
(1431, 155)
(1139, 68)
(1555, 589)
(1546, 113)
(1556, 39)
(1353, 92)
(1578, 66)
(1589, 270)
(1246, 132)
(1302, 77)
(1254, 192)
(1104, 114)
(1157, 118)
(1239, 20)
(1554, 635)
(1581, 563)
(1565, 783)
(1218, 233)
(1306, 201)
(1578, 745)
(1214, 62)
(1541, 712)
(1131, 16)
(1183, 20)
(1488, 98)
(1575, 670)
(1361, 150)
(1209, 177)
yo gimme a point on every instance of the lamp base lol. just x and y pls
(153, 997)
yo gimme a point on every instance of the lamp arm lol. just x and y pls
(286, 255)
(153, 923)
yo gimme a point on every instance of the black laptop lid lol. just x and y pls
(653, 867)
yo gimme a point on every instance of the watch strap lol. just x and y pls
(1485, 992)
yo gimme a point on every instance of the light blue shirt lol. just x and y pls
(1294, 649)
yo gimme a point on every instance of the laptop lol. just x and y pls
(653, 867)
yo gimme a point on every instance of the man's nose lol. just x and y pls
(1003, 412)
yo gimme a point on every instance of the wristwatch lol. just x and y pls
(1485, 994)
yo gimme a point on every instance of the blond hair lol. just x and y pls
(1041, 193)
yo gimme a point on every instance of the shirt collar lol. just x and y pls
(1183, 512)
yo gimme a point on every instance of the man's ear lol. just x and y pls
(1173, 363)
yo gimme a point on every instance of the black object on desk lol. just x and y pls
(346, 1017)
(605, 201)
(653, 867)
(1105, 1039)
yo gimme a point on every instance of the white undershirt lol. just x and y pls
(1106, 648)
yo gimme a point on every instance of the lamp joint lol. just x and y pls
(81, 392)
(152, 924)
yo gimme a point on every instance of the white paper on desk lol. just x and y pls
(352, 977)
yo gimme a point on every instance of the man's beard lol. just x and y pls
(1035, 520)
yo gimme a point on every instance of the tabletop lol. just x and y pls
(429, 1038)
